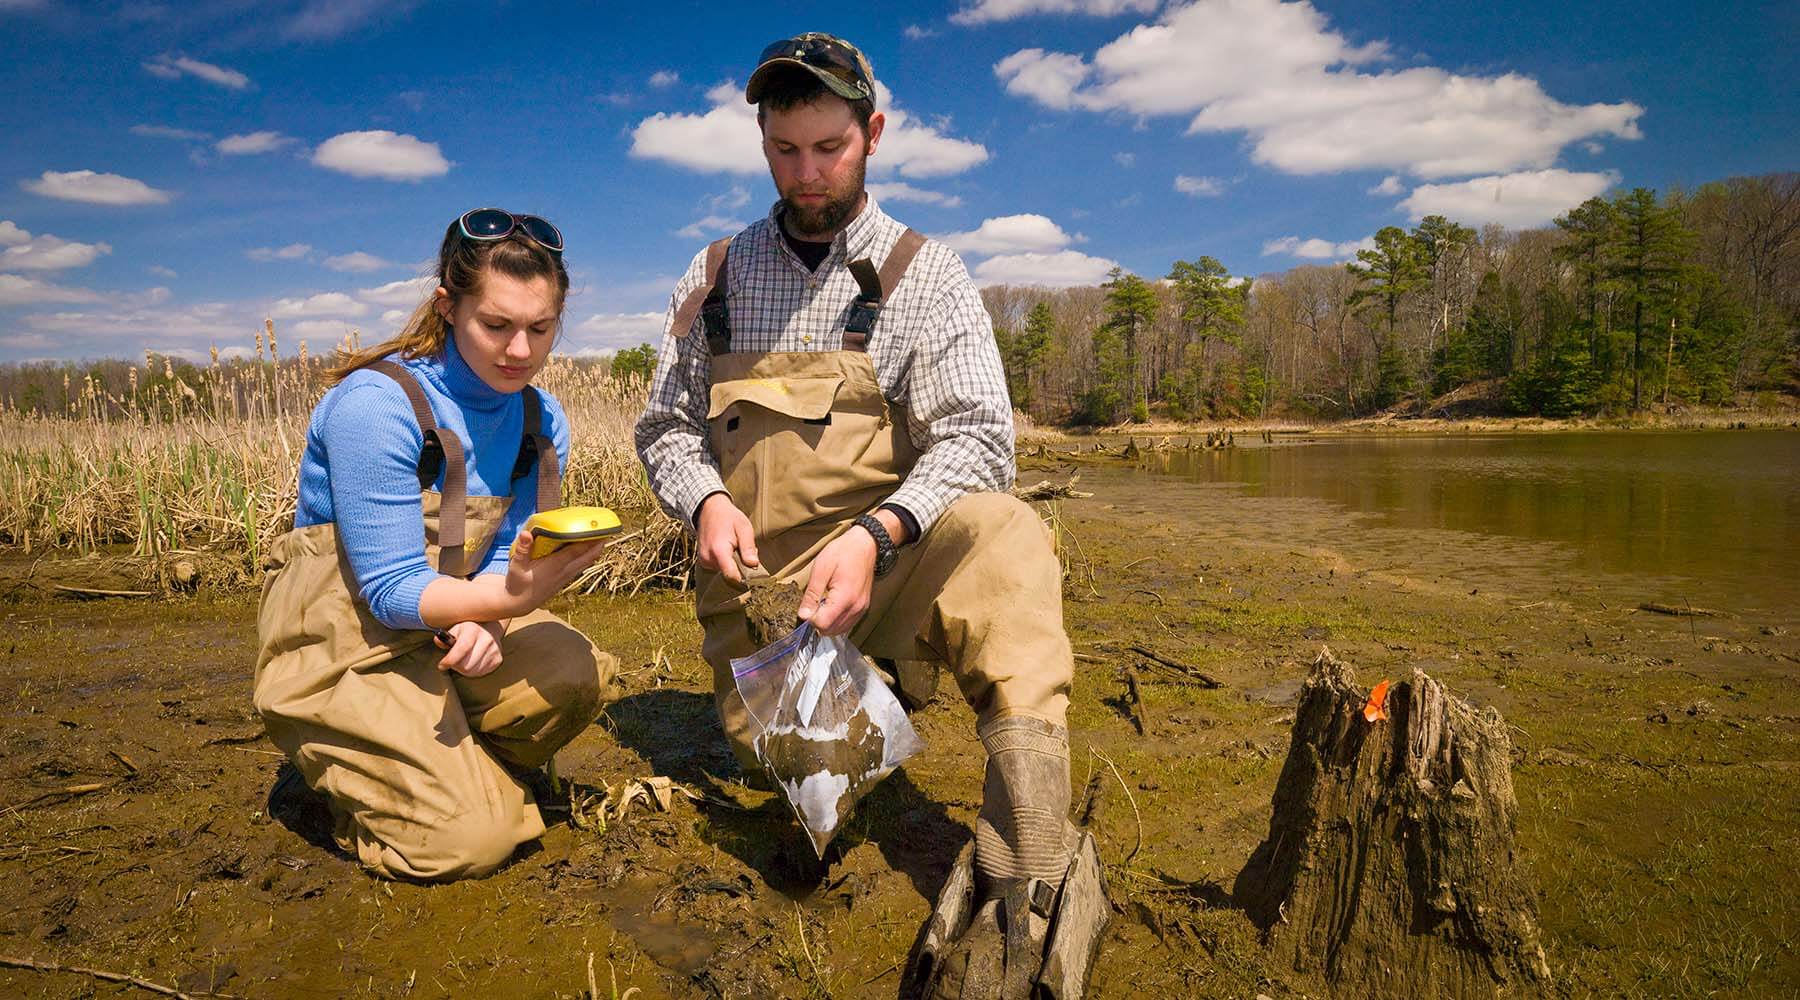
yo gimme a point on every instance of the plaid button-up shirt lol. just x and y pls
(933, 351)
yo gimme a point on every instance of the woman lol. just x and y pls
(405, 665)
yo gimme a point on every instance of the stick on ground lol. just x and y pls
(111, 977)
(1205, 679)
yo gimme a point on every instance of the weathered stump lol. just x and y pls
(1389, 866)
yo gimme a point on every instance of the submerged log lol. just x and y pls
(1390, 866)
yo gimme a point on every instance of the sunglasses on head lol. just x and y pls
(820, 52)
(498, 224)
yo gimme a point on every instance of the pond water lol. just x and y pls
(1712, 517)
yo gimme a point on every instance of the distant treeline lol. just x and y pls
(1628, 303)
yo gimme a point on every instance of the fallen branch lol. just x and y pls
(1048, 490)
(111, 977)
(1140, 715)
(58, 794)
(1205, 679)
(1683, 611)
(90, 593)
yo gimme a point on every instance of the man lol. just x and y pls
(829, 407)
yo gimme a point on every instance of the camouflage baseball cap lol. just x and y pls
(838, 64)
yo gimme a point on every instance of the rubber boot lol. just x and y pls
(987, 937)
(962, 949)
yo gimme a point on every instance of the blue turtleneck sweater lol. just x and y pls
(360, 472)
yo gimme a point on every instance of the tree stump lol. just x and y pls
(1390, 866)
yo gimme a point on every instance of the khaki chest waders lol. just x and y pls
(418, 763)
(806, 441)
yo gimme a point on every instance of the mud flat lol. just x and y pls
(1657, 763)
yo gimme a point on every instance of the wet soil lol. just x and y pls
(1657, 766)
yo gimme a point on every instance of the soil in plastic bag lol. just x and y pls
(826, 728)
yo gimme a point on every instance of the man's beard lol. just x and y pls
(828, 215)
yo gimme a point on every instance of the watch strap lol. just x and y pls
(885, 553)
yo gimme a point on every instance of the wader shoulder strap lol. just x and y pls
(441, 451)
(710, 297)
(535, 445)
(876, 288)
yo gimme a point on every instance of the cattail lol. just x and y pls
(215, 355)
(259, 343)
(274, 355)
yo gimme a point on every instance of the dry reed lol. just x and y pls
(208, 459)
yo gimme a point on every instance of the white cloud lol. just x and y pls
(316, 331)
(1011, 234)
(898, 191)
(1275, 71)
(1390, 185)
(47, 253)
(725, 139)
(170, 132)
(161, 271)
(357, 261)
(1127, 160)
(392, 318)
(322, 304)
(612, 331)
(664, 78)
(293, 251)
(729, 201)
(1520, 201)
(1064, 269)
(11, 235)
(17, 290)
(95, 189)
(383, 154)
(1315, 248)
(1199, 187)
(254, 142)
(173, 67)
(988, 11)
(916, 33)
(323, 20)
(406, 293)
(128, 325)
(711, 225)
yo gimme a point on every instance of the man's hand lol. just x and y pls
(837, 591)
(723, 538)
(476, 651)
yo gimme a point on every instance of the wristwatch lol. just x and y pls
(885, 553)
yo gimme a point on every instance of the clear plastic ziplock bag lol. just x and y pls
(826, 728)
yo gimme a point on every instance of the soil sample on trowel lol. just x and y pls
(1390, 867)
(771, 609)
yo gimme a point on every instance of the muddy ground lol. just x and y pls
(1655, 764)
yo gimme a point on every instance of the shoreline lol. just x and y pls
(1784, 418)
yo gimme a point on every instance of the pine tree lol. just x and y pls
(1130, 309)
(1211, 306)
(1649, 246)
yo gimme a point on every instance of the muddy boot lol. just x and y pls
(1082, 912)
(986, 938)
(300, 809)
(964, 949)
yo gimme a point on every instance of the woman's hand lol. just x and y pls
(530, 582)
(475, 650)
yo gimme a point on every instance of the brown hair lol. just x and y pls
(462, 264)
(786, 91)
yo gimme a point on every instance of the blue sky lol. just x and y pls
(173, 172)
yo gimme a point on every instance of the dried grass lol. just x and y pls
(212, 464)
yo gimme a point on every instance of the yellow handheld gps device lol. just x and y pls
(553, 529)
